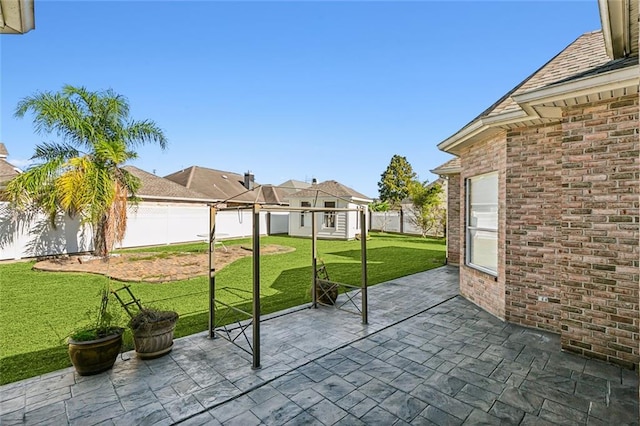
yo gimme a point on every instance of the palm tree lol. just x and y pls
(81, 175)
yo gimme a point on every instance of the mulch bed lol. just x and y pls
(153, 267)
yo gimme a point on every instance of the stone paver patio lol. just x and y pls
(428, 356)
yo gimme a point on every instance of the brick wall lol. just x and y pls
(481, 288)
(599, 254)
(533, 232)
(453, 219)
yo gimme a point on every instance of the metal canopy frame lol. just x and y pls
(233, 334)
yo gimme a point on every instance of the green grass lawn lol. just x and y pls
(38, 310)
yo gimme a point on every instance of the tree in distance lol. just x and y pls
(395, 181)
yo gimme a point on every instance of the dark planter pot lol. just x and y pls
(326, 293)
(95, 356)
(154, 338)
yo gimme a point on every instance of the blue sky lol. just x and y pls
(288, 90)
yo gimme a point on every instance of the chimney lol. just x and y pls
(314, 181)
(248, 180)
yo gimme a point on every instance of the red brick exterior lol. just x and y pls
(600, 280)
(453, 219)
(568, 228)
(533, 186)
(481, 288)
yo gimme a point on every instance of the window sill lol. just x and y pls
(483, 270)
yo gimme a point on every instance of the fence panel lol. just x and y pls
(149, 223)
(279, 223)
(33, 236)
(385, 221)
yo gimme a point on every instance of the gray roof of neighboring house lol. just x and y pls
(330, 188)
(221, 185)
(158, 187)
(7, 171)
(450, 167)
(291, 186)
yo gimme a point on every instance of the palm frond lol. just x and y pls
(49, 151)
(144, 132)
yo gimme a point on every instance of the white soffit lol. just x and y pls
(602, 86)
(16, 16)
(546, 103)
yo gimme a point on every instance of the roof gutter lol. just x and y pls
(16, 16)
(615, 19)
(535, 104)
(478, 128)
(609, 81)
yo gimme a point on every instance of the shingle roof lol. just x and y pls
(585, 53)
(3, 150)
(156, 186)
(329, 187)
(451, 166)
(291, 186)
(221, 185)
(7, 171)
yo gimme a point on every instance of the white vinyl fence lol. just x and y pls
(149, 223)
(398, 222)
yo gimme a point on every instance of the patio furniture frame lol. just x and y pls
(254, 316)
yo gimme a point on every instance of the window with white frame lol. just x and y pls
(303, 214)
(330, 217)
(482, 222)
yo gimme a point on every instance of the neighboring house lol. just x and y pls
(7, 170)
(330, 225)
(291, 186)
(156, 188)
(227, 188)
(543, 199)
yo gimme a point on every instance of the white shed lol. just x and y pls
(330, 225)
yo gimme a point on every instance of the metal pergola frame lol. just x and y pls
(254, 344)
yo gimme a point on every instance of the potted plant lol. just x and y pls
(153, 332)
(94, 348)
(152, 329)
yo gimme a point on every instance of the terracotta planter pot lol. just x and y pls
(154, 339)
(95, 356)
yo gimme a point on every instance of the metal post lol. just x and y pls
(256, 286)
(314, 261)
(363, 250)
(212, 271)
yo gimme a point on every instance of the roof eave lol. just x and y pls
(446, 171)
(479, 129)
(169, 198)
(16, 16)
(625, 78)
(539, 103)
(615, 19)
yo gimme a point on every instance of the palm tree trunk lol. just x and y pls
(100, 238)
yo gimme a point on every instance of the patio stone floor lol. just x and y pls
(427, 356)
